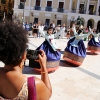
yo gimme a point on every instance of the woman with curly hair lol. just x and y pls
(13, 84)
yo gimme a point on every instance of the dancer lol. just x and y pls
(94, 43)
(51, 50)
(75, 52)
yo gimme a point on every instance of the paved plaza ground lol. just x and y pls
(70, 82)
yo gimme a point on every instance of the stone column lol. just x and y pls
(70, 6)
(85, 24)
(68, 23)
(30, 3)
(16, 3)
(95, 25)
(87, 9)
(97, 9)
(78, 4)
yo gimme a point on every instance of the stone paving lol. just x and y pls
(70, 82)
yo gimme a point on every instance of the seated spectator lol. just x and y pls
(13, 84)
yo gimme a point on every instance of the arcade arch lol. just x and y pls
(90, 23)
(98, 26)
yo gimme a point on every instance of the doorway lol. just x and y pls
(90, 23)
(91, 9)
(81, 8)
(35, 20)
(58, 22)
(98, 26)
(60, 7)
(47, 22)
(37, 3)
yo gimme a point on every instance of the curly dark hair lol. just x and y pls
(13, 43)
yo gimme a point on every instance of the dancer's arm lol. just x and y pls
(58, 34)
(42, 32)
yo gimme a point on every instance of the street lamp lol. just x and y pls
(23, 11)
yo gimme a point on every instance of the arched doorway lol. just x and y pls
(98, 26)
(90, 23)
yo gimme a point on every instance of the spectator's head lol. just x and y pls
(13, 43)
(50, 30)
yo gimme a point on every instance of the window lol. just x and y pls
(49, 3)
(58, 22)
(81, 8)
(47, 22)
(3, 1)
(21, 5)
(22, 0)
(60, 7)
(91, 9)
(49, 6)
(35, 20)
(37, 3)
(61, 4)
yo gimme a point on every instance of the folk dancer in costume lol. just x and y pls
(75, 52)
(51, 50)
(94, 43)
(90, 33)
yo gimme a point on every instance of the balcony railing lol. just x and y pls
(48, 9)
(92, 13)
(60, 10)
(37, 8)
(82, 11)
(73, 10)
(21, 6)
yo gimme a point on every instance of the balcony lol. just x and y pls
(37, 8)
(20, 6)
(82, 11)
(73, 10)
(60, 10)
(92, 13)
(48, 9)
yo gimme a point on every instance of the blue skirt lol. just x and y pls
(53, 57)
(80, 50)
(92, 42)
(94, 46)
(50, 53)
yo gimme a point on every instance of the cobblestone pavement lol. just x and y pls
(70, 82)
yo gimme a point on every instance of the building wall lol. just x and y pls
(42, 14)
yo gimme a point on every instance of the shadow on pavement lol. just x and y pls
(28, 70)
(89, 53)
(66, 64)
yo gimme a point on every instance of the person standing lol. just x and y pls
(27, 26)
(14, 85)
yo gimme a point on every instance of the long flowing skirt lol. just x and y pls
(93, 45)
(75, 54)
(53, 57)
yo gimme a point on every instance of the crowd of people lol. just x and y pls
(34, 28)
(13, 50)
